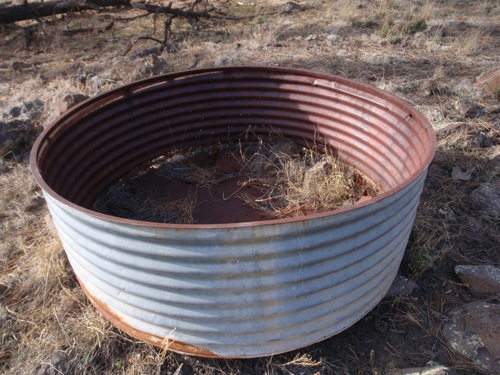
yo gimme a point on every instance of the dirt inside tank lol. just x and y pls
(242, 182)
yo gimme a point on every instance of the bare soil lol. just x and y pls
(233, 184)
(431, 53)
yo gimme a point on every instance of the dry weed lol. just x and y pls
(295, 183)
(471, 43)
(134, 203)
(270, 33)
(396, 22)
(346, 10)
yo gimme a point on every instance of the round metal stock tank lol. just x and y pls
(247, 289)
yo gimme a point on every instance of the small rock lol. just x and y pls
(402, 287)
(489, 81)
(59, 104)
(32, 110)
(463, 135)
(13, 112)
(377, 59)
(290, 6)
(448, 212)
(457, 174)
(16, 136)
(468, 108)
(441, 158)
(316, 173)
(495, 157)
(474, 332)
(428, 370)
(487, 198)
(183, 369)
(426, 88)
(481, 279)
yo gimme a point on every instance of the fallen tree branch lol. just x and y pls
(190, 15)
(36, 11)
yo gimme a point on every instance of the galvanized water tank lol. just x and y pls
(247, 289)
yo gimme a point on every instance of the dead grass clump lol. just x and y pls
(137, 204)
(396, 23)
(270, 33)
(296, 183)
(471, 43)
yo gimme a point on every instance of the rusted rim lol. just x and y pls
(373, 93)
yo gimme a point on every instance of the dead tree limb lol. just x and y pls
(38, 10)
(190, 15)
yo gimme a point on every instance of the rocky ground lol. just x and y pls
(442, 315)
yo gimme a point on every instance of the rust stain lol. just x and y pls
(160, 342)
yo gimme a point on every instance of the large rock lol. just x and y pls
(318, 172)
(59, 104)
(481, 279)
(495, 157)
(18, 128)
(489, 81)
(474, 331)
(26, 111)
(468, 108)
(463, 135)
(402, 287)
(16, 136)
(486, 199)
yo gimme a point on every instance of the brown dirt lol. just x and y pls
(227, 185)
(46, 324)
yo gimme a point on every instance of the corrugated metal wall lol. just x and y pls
(235, 290)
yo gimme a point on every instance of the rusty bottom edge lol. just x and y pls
(180, 347)
(164, 343)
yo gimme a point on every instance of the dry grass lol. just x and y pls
(470, 43)
(295, 183)
(269, 33)
(129, 202)
(46, 324)
(397, 23)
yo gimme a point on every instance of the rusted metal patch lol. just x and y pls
(161, 342)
